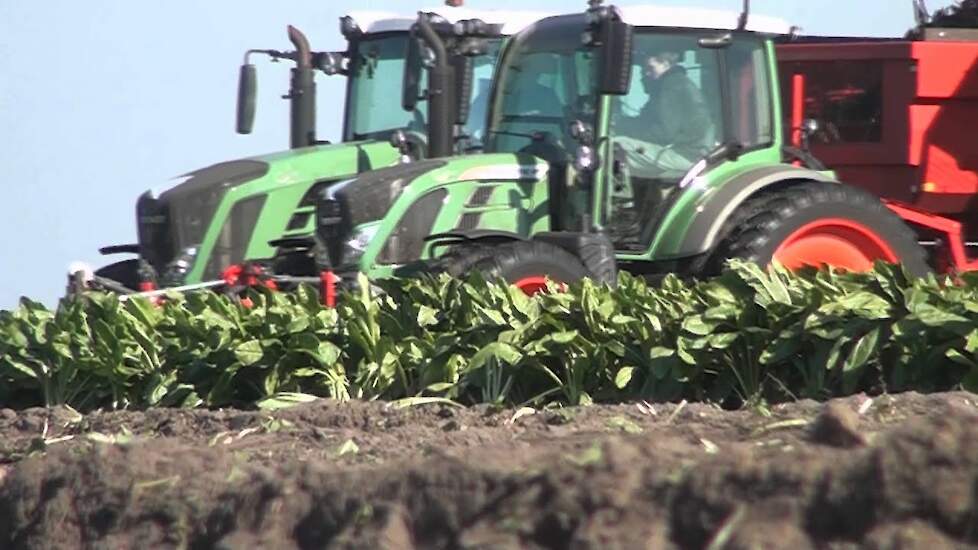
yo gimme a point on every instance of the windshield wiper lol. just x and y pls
(535, 136)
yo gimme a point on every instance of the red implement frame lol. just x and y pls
(950, 228)
(328, 282)
(797, 107)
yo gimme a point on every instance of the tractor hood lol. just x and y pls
(315, 163)
(185, 219)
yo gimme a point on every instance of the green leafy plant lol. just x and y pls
(747, 337)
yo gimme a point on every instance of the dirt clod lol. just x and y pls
(838, 425)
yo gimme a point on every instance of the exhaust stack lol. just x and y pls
(302, 92)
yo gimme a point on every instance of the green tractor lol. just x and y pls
(219, 216)
(641, 138)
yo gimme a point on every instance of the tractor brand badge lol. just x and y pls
(534, 172)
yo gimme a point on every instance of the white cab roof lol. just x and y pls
(513, 21)
(647, 15)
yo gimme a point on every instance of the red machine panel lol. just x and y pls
(895, 115)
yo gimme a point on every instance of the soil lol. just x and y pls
(898, 471)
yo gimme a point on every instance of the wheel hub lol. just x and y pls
(838, 242)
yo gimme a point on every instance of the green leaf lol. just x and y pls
(623, 377)
(502, 352)
(415, 401)
(565, 337)
(934, 317)
(960, 358)
(784, 346)
(284, 400)
(858, 357)
(18, 366)
(427, 316)
(249, 352)
(349, 447)
(698, 326)
(971, 345)
(624, 424)
(724, 340)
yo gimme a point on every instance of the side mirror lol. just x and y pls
(410, 88)
(247, 83)
(615, 56)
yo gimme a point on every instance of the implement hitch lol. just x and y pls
(233, 282)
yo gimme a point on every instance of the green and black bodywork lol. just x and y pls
(230, 212)
(555, 194)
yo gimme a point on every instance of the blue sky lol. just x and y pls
(100, 101)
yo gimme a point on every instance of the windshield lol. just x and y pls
(483, 69)
(376, 79)
(547, 83)
(374, 93)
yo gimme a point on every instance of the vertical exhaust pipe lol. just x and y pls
(302, 93)
(440, 93)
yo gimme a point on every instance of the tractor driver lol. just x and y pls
(673, 129)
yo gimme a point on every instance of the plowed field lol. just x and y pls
(895, 471)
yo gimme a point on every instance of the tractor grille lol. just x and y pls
(232, 243)
(333, 227)
(191, 215)
(181, 216)
(153, 226)
(370, 196)
(406, 243)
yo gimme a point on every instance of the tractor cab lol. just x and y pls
(625, 118)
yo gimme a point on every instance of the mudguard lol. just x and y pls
(707, 215)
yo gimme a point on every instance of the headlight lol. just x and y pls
(354, 247)
(176, 271)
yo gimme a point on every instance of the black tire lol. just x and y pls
(458, 260)
(760, 225)
(514, 261)
(125, 272)
(599, 258)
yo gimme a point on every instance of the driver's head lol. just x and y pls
(657, 64)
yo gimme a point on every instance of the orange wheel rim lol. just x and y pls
(836, 242)
(536, 283)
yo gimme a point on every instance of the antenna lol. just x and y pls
(742, 22)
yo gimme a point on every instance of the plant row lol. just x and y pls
(748, 336)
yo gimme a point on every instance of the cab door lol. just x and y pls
(671, 117)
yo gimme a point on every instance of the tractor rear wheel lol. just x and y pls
(526, 264)
(818, 223)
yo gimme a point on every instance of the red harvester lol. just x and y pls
(895, 117)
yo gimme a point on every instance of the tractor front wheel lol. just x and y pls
(525, 264)
(816, 224)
